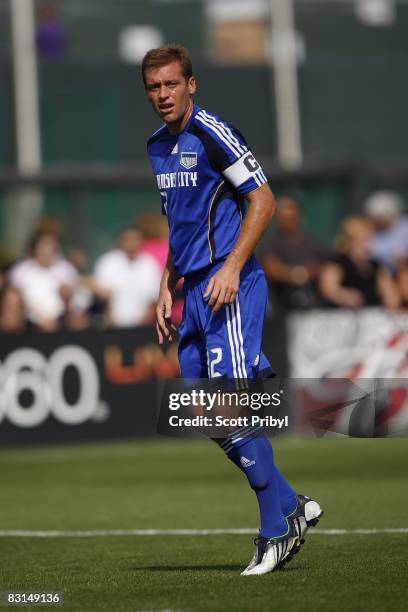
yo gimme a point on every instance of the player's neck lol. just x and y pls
(178, 126)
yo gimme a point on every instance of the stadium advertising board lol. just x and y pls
(368, 347)
(103, 384)
(80, 385)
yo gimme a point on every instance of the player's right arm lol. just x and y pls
(164, 326)
(228, 153)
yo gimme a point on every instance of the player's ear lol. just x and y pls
(192, 85)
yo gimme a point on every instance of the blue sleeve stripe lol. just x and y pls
(260, 178)
(257, 180)
(226, 131)
(222, 135)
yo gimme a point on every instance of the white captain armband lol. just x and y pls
(244, 169)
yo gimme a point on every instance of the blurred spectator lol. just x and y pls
(351, 278)
(402, 282)
(156, 243)
(389, 243)
(48, 224)
(155, 231)
(292, 258)
(46, 281)
(12, 318)
(51, 35)
(78, 258)
(84, 304)
(129, 281)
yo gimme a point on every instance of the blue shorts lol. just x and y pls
(227, 343)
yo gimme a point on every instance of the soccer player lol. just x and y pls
(218, 205)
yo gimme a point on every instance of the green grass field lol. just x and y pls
(168, 485)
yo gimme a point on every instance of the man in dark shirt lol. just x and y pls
(292, 258)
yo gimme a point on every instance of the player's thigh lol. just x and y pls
(234, 335)
(191, 349)
(192, 357)
(251, 307)
(227, 352)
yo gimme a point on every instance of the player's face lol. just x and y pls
(169, 92)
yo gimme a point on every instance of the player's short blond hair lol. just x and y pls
(156, 58)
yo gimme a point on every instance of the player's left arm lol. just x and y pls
(223, 286)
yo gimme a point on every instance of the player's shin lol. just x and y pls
(250, 456)
(287, 495)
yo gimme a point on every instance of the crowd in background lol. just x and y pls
(367, 266)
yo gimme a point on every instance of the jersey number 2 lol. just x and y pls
(212, 362)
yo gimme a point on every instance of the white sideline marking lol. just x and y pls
(19, 533)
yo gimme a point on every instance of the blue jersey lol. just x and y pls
(203, 174)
